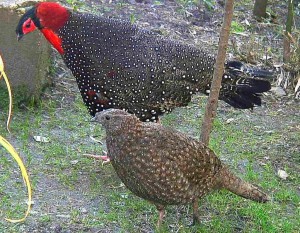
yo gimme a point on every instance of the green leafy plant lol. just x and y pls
(132, 18)
(236, 27)
(75, 4)
(210, 4)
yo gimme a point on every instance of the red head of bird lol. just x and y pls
(48, 17)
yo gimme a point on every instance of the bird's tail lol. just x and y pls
(239, 187)
(242, 86)
(239, 67)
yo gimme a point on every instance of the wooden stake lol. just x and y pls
(212, 102)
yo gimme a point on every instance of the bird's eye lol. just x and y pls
(107, 117)
(28, 25)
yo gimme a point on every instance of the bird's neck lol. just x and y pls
(54, 39)
(52, 17)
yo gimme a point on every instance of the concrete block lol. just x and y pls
(26, 62)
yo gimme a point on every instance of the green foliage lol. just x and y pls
(132, 18)
(21, 98)
(120, 4)
(209, 4)
(75, 4)
(237, 27)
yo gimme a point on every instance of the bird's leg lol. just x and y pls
(105, 159)
(196, 217)
(161, 214)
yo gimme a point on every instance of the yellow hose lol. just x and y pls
(15, 155)
(11, 150)
(2, 73)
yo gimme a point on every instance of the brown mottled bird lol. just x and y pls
(164, 166)
(118, 65)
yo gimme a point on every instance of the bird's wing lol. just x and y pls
(195, 161)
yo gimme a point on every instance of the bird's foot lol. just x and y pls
(161, 212)
(105, 159)
(196, 220)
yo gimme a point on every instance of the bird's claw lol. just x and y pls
(105, 159)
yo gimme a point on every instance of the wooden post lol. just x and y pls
(212, 102)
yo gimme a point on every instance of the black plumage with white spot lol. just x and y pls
(118, 65)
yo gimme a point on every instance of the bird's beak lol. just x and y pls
(19, 36)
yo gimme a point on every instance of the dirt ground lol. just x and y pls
(67, 185)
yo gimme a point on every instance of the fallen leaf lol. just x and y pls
(41, 139)
(246, 22)
(83, 210)
(266, 57)
(298, 84)
(125, 196)
(95, 140)
(74, 162)
(278, 65)
(228, 121)
(269, 131)
(282, 174)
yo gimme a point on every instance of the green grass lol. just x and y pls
(237, 27)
